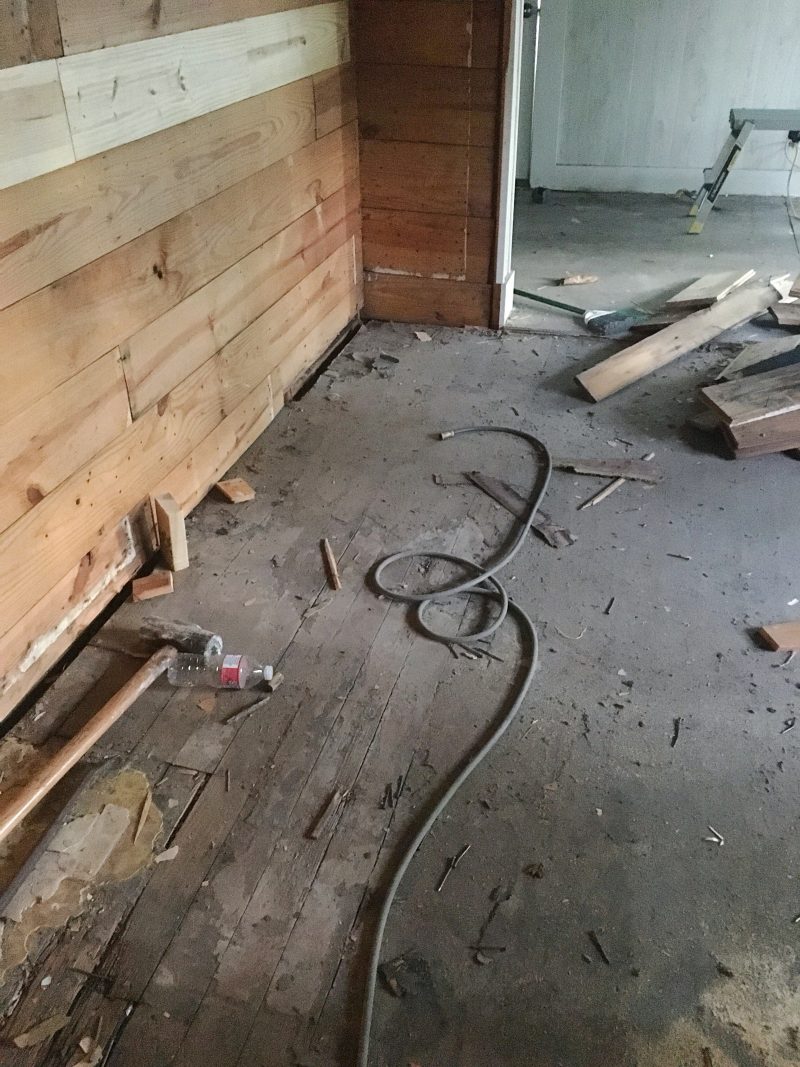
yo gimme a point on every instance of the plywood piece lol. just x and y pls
(120, 94)
(710, 288)
(401, 176)
(49, 227)
(171, 529)
(415, 32)
(236, 490)
(446, 303)
(49, 441)
(34, 131)
(86, 27)
(414, 242)
(758, 397)
(29, 31)
(644, 357)
(159, 583)
(56, 332)
(335, 98)
(781, 636)
(170, 348)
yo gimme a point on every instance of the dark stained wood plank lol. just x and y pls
(414, 103)
(404, 176)
(335, 98)
(407, 299)
(414, 32)
(487, 33)
(482, 162)
(414, 242)
(481, 238)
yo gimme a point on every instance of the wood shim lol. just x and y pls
(644, 357)
(159, 583)
(781, 636)
(635, 469)
(710, 288)
(236, 490)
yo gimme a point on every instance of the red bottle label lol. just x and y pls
(229, 672)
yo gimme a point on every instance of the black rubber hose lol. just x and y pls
(483, 583)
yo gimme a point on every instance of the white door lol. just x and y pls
(634, 95)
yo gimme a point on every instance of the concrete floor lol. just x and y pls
(248, 948)
(638, 247)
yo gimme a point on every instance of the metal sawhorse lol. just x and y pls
(743, 122)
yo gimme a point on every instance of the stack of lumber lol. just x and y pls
(759, 413)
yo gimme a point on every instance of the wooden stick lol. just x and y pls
(330, 562)
(612, 487)
(148, 800)
(39, 785)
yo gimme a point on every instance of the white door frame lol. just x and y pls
(504, 275)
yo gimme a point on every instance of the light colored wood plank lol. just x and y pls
(159, 583)
(171, 532)
(120, 94)
(52, 226)
(761, 396)
(710, 288)
(426, 300)
(236, 490)
(43, 544)
(403, 176)
(415, 32)
(779, 433)
(41, 637)
(786, 314)
(87, 26)
(34, 132)
(46, 443)
(335, 98)
(646, 356)
(54, 333)
(781, 636)
(169, 349)
(415, 242)
(29, 31)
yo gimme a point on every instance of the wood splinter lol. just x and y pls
(331, 566)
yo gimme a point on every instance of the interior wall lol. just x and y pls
(179, 243)
(428, 101)
(634, 95)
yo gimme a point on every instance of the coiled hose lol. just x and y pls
(483, 583)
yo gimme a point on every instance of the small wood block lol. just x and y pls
(781, 636)
(159, 583)
(236, 490)
(171, 532)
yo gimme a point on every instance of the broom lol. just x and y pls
(604, 323)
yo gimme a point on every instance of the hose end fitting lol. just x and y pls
(445, 434)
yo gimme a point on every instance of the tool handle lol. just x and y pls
(550, 303)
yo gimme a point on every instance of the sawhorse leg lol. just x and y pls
(714, 177)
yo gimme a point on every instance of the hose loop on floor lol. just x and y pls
(483, 582)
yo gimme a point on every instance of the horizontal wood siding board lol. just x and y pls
(117, 95)
(44, 543)
(60, 222)
(170, 348)
(480, 249)
(424, 300)
(87, 26)
(34, 132)
(482, 163)
(46, 443)
(487, 33)
(335, 98)
(422, 104)
(29, 31)
(403, 176)
(414, 242)
(415, 31)
(56, 332)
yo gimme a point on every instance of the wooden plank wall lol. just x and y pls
(179, 242)
(429, 113)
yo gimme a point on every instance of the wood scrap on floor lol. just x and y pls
(710, 289)
(634, 469)
(159, 583)
(786, 314)
(331, 566)
(236, 490)
(578, 279)
(652, 353)
(514, 501)
(41, 1032)
(781, 636)
(759, 414)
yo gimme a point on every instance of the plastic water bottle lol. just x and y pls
(222, 671)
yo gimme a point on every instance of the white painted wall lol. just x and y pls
(634, 94)
(526, 97)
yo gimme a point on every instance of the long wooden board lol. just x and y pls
(49, 227)
(101, 493)
(644, 357)
(751, 355)
(710, 288)
(34, 132)
(760, 396)
(120, 94)
(765, 436)
(56, 332)
(102, 23)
